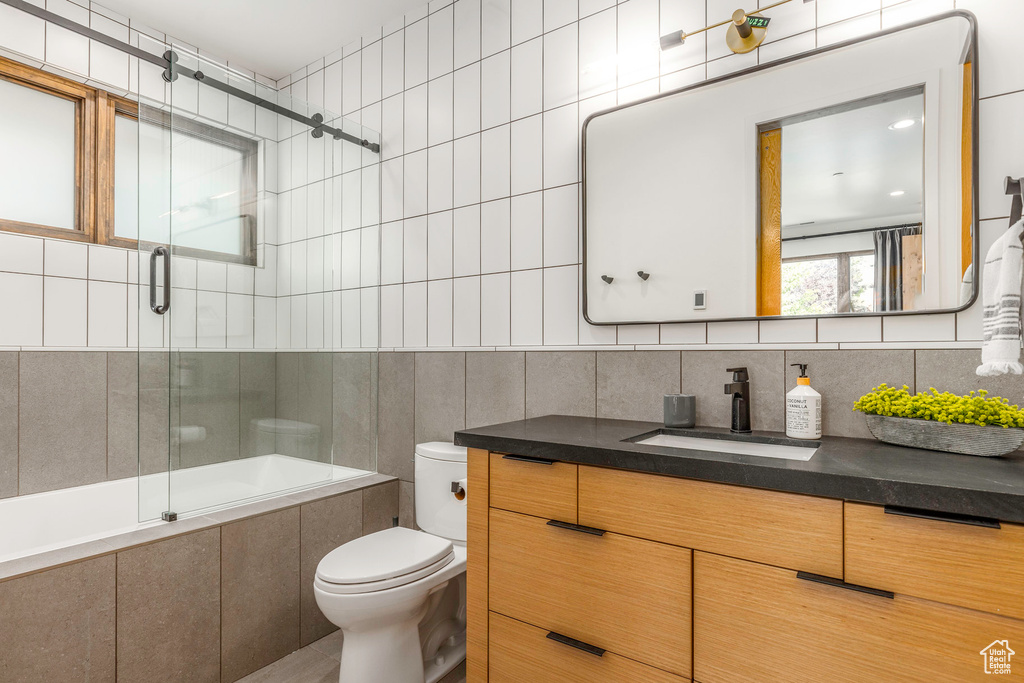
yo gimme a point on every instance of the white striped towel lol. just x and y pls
(1001, 323)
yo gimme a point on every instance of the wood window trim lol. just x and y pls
(85, 99)
(110, 106)
(96, 113)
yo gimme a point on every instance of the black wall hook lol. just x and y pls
(1012, 186)
(643, 275)
(607, 279)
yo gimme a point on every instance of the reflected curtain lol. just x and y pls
(889, 267)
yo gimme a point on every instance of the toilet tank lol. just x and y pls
(439, 511)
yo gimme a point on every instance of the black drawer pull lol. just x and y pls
(576, 527)
(578, 644)
(526, 458)
(837, 583)
(986, 522)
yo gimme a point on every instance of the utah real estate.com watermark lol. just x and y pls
(997, 657)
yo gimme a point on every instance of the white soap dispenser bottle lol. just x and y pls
(803, 408)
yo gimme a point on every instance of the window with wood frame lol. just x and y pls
(47, 154)
(826, 284)
(84, 165)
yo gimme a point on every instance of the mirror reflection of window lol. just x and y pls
(830, 284)
(851, 187)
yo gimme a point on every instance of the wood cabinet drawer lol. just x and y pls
(960, 564)
(758, 623)
(626, 595)
(533, 487)
(522, 653)
(783, 529)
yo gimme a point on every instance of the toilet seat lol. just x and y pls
(385, 559)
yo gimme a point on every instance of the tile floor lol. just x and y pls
(318, 663)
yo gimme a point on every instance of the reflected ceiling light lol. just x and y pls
(222, 195)
(901, 124)
(897, 193)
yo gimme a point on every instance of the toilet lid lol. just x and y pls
(384, 555)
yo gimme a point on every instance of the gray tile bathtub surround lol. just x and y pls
(183, 592)
(153, 411)
(8, 424)
(122, 415)
(169, 610)
(561, 383)
(58, 625)
(495, 387)
(396, 415)
(630, 384)
(209, 394)
(380, 506)
(305, 389)
(407, 504)
(325, 525)
(354, 399)
(62, 421)
(258, 394)
(440, 395)
(844, 376)
(259, 592)
(704, 375)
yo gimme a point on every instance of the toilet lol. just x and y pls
(399, 595)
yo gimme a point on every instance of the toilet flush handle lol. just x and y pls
(459, 490)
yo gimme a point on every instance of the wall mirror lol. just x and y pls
(837, 182)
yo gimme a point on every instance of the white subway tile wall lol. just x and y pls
(475, 207)
(61, 294)
(482, 111)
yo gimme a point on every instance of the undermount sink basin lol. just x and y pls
(747, 446)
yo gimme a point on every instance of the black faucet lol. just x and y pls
(739, 388)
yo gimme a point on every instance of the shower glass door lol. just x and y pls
(242, 216)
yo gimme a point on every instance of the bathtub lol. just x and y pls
(40, 522)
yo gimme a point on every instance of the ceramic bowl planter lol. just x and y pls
(968, 439)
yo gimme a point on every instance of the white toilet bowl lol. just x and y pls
(399, 595)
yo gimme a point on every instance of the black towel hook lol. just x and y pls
(1012, 186)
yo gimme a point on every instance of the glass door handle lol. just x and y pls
(162, 308)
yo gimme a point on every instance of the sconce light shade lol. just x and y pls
(741, 37)
(671, 40)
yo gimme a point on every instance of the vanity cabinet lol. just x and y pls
(521, 653)
(628, 595)
(977, 564)
(534, 487)
(752, 622)
(583, 573)
(784, 529)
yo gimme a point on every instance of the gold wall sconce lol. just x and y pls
(746, 31)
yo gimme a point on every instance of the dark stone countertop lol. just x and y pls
(851, 469)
